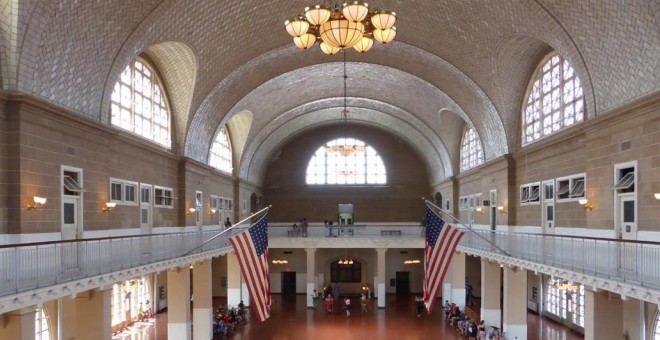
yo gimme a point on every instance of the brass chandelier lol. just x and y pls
(338, 27)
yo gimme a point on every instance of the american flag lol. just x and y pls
(251, 248)
(441, 242)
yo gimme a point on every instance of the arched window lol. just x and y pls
(472, 154)
(41, 329)
(138, 104)
(554, 101)
(560, 300)
(346, 161)
(221, 152)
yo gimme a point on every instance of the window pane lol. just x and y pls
(345, 161)
(139, 113)
(555, 98)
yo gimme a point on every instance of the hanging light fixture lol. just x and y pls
(352, 24)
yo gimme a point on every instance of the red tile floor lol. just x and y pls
(290, 320)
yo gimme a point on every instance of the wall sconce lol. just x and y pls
(38, 203)
(480, 210)
(212, 211)
(109, 206)
(585, 204)
(657, 195)
(190, 211)
(502, 210)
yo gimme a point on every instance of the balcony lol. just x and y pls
(30, 273)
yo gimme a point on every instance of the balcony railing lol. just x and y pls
(634, 262)
(26, 267)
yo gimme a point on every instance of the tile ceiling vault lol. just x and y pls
(454, 62)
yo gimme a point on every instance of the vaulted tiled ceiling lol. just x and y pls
(454, 62)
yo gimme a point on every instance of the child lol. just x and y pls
(347, 303)
(315, 297)
(363, 302)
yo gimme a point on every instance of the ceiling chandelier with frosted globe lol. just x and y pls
(336, 27)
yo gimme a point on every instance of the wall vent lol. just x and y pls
(404, 252)
(625, 146)
(288, 253)
(70, 150)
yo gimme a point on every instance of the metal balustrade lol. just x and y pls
(633, 262)
(25, 267)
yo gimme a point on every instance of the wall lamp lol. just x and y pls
(109, 206)
(190, 211)
(585, 204)
(481, 210)
(38, 203)
(502, 210)
(212, 211)
(657, 195)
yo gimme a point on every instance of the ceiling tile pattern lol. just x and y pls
(474, 58)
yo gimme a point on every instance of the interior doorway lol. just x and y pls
(402, 283)
(288, 283)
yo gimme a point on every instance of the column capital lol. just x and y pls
(311, 250)
(381, 250)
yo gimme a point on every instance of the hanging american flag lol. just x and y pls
(251, 248)
(441, 242)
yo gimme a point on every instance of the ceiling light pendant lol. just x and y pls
(364, 44)
(383, 19)
(352, 24)
(355, 10)
(318, 14)
(329, 49)
(385, 35)
(305, 41)
(296, 26)
(341, 33)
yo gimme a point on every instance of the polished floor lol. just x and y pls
(290, 320)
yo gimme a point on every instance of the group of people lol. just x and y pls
(331, 295)
(226, 319)
(465, 325)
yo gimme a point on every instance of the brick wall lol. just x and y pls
(399, 200)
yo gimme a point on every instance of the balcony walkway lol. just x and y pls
(31, 273)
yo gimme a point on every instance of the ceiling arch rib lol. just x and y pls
(409, 59)
(430, 145)
(375, 82)
(431, 151)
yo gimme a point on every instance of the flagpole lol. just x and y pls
(228, 229)
(465, 226)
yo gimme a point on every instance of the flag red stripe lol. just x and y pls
(247, 252)
(253, 272)
(436, 263)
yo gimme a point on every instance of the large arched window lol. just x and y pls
(472, 154)
(554, 101)
(346, 161)
(350, 272)
(41, 329)
(220, 157)
(138, 104)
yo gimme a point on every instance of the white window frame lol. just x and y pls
(622, 166)
(156, 198)
(572, 179)
(530, 188)
(213, 202)
(124, 184)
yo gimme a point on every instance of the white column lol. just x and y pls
(380, 275)
(94, 315)
(491, 310)
(515, 303)
(178, 304)
(18, 324)
(603, 315)
(311, 268)
(458, 280)
(233, 280)
(202, 302)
